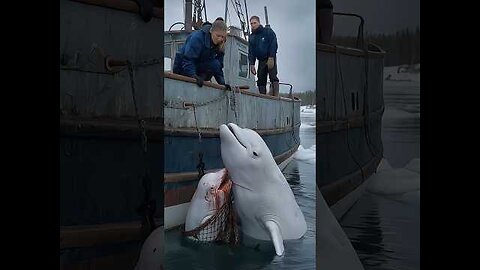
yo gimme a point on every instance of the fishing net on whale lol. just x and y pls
(222, 226)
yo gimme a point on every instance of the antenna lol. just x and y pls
(205, 9)
(248, 18)
(188, 15)
(266, 17)
(226, 10)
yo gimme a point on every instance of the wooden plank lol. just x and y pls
(129, 129)
(326, 126)
(215, 132)
(111, 128)
(179, 77)
(243, 90)
(100, 234)
(87, 236)
(348, 51)
(189, 176)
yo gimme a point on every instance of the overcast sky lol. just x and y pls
(381, 16)
(293, 23)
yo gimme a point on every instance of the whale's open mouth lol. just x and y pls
(233, 132)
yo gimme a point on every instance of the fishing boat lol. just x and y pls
(111, 117)
(349, 114)
(194, 114)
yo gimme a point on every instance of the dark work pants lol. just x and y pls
(262, 72)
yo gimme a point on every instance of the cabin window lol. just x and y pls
(358, 107)
(167, 59)
(243, 65)
(355, 106)
(178, 45)
(353, 102)
(167, 50)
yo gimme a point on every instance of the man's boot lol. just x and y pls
(262, 89)
(276, 89)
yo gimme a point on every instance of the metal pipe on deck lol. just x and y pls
(114, 65)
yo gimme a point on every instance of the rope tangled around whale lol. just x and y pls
(222, 226)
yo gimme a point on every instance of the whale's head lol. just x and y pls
(207, 199)
(244, 153)
(207, 189)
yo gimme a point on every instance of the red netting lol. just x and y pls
(221, 226)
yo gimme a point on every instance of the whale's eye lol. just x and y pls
(255, 153)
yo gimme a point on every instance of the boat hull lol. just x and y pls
(349, 120)
(193, 116)
(102, 160)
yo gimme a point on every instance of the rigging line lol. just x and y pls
(339, 72)
(236, 10)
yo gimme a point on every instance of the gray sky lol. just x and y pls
(381, 16)
(293, 23)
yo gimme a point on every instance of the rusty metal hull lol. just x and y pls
(349, 117)
(101, 154)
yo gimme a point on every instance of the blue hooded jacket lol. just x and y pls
(197, 50)
(262, 44)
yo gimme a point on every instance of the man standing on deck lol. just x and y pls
(200, 56)
(262, 45)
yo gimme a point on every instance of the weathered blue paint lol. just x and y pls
(344, 152)
(182, 152)
(102, 180)
(350, 91)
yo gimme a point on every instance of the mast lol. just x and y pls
(205, 9)
(248, 19)
(266, 17)
(188, 15)
(226, 10)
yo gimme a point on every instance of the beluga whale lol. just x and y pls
(211, 194)
(151, 254)
(263, 200)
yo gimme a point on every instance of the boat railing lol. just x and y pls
(179, 77)
(360, 37)
(291, 88)
(243, 88)
(177, 23)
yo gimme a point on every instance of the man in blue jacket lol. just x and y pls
(200, 57)
(262, 45)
